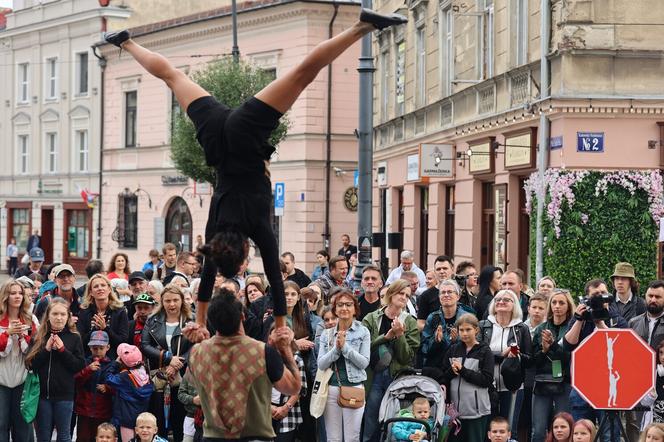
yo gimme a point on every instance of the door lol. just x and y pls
(178, 225)
(47, 233)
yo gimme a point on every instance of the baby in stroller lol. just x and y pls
(404, 431)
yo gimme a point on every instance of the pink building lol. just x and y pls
(146, 202)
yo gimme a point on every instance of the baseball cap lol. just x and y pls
(137, 275)
(144, 298)
(26, 282)
(130, 355)
(63, 268)
(98, 337)
(37, 254)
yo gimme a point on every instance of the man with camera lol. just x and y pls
(466, 277)
(595, 310)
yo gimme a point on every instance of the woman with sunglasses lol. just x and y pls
(508, 337)
(346, 349)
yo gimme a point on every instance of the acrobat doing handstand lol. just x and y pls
(235, 142)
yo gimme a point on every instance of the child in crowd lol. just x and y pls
(146, 429)
(127, 376)
(94, 400)
(655, 399)
(143, 307)
(106, 433)
(499, 430)
(561, 428)
(584, 431)
(536, 312)
(407, 431)
(653, 433)
(192, 403)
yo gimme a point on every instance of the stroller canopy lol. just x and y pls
(408, 386)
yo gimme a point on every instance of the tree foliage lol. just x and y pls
(230, 83)
(596, 233)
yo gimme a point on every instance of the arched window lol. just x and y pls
(178, 225)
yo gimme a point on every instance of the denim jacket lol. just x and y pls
(356, 351)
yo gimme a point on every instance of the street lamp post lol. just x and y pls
(235, 50)
(365, 160)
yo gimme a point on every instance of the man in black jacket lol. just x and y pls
(295, 275)
(36, 265)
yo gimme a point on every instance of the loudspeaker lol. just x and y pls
(394, 240)
(378, 239)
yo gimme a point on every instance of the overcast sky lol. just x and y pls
(6, 3)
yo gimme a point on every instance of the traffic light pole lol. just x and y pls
(365, 159)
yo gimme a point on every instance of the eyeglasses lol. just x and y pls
(191, 263)
(447, 292)
(345, 304)
(497, 300)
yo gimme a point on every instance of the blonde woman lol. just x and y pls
(102, 310)
(17, 327)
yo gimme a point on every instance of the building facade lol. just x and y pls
(146, 201)
(457, 107)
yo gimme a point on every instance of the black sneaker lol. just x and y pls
(381, 21)
(117, 38)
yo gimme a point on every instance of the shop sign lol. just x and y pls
(436, 160)
(174, 180)
(481, 160)
(556, 143)
(413, 173)
(590, 141)
(520, 149)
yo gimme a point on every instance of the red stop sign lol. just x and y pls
(613, 369)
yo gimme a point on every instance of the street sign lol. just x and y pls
(556, 143)
(590, 141)
(279, 198)
(613, 369)
(356, 178)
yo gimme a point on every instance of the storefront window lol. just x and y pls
(21, 227)
(78, 234)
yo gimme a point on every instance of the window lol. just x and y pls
(449, 220)
(126, 233)
(52, 152)
(179, 225)
(130, 119)
(424, 226)
(82, 150)
(175, 112)
(384, 86)
(23, 154)
(420, 53)
(487, 40)
(447, 51)
(82, 73)
(51, 76)
(400, 77)
(78, 234)
(271, 73)
(20, 219)
(23, 69)
(521, 34)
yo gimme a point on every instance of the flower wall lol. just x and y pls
(593, 220)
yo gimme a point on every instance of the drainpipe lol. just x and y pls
(328, 138)
(102, 65)
(544, 128)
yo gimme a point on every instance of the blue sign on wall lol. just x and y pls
(356, 178)
(556, 143)
(279, 197)
(590, 141)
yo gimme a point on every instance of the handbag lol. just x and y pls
(319, 392)
(159, 378)
(30, 397)
(547, 385)
(510, 371)
(349, 397)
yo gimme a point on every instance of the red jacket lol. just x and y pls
(89, 401)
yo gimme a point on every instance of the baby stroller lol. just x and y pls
(401, 393)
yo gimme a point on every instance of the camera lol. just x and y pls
(596, 311)
(460, 280)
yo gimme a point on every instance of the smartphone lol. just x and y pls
(514, 349)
